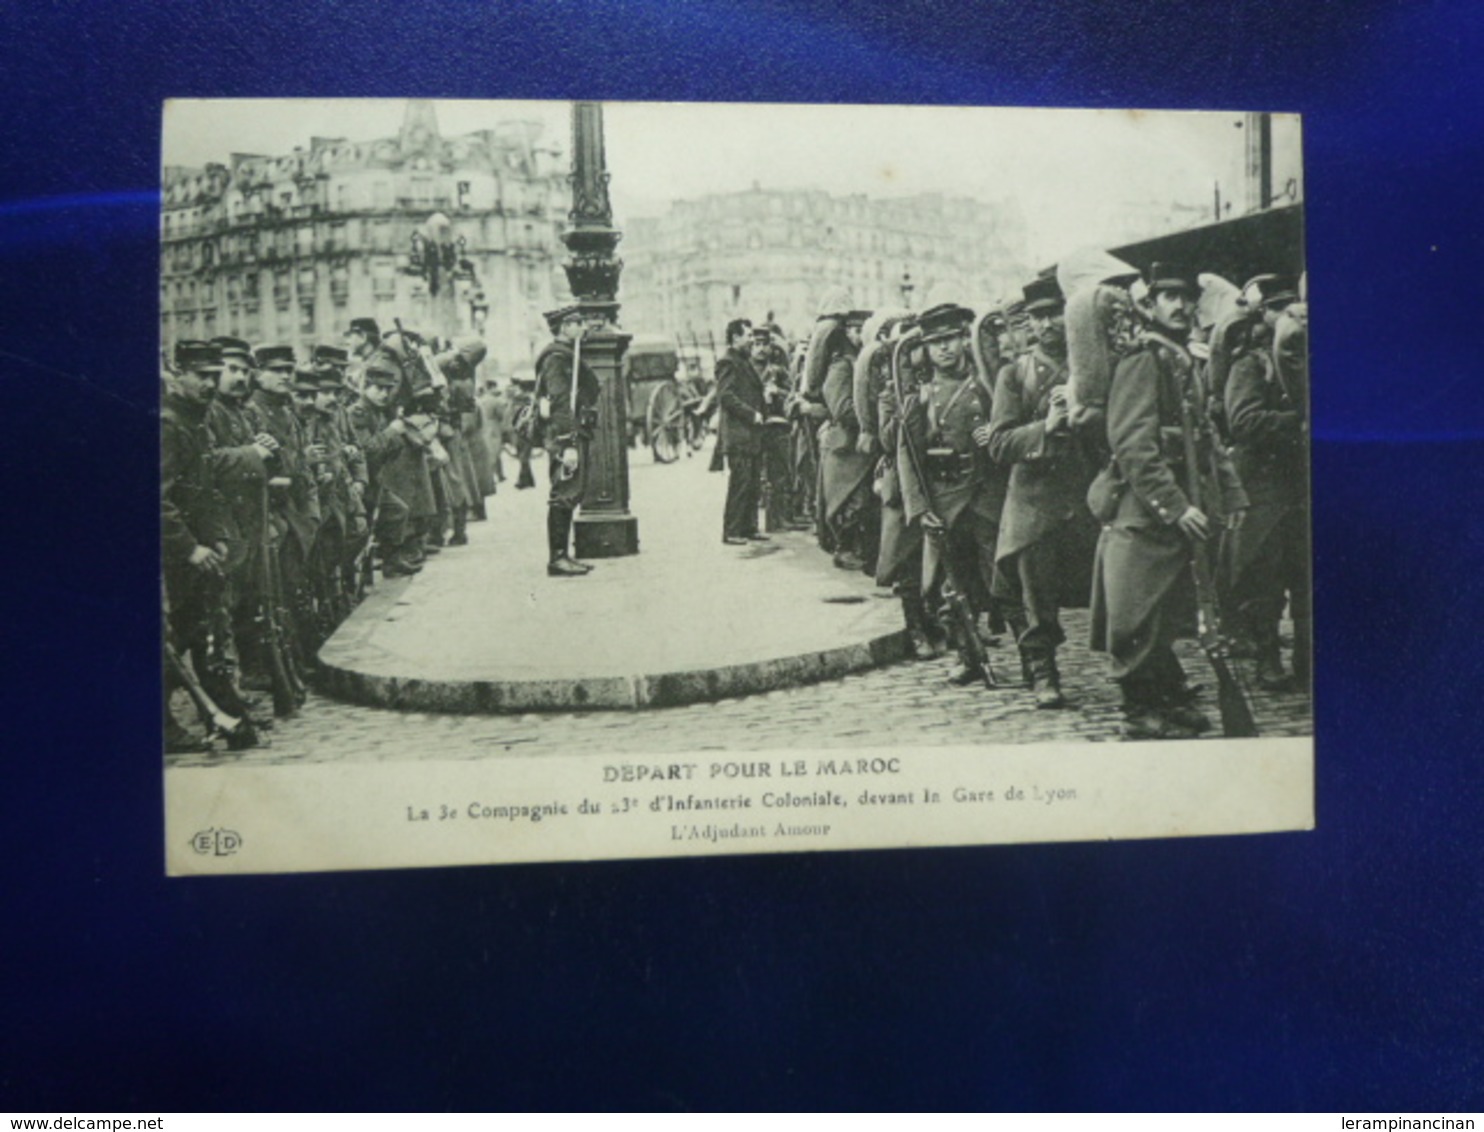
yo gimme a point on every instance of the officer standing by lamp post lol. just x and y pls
(567, 394)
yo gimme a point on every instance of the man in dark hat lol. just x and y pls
(567, 393)
(194, 529)
(363, 338)
(1267, 411)
(1143, 594)
(1048, 537)
(743, 404)
(960, 507)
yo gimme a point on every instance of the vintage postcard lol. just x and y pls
(568, 481)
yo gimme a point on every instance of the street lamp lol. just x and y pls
(604, 528)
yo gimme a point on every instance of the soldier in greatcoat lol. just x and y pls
(1267, 399)
(567, 392)
(194, 531)
(895, 361)
(850, 508)
(1143, 592)
(401, 498)
(960, 505)
(1047, 535)
(243, 453)
(293, 493)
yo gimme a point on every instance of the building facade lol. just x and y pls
(291, 248)
(761, 251)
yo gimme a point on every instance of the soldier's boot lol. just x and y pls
(180, 741)
(460, 535)
(1045, 681)
(925, 640)
(1018, 625)
(1144, 717)
(559, 563)
(1303, 651)
(1270, 674)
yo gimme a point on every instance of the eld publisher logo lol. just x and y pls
(217, 842)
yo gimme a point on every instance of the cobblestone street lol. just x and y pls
(907, 704)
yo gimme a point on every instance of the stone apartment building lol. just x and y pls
(291, 247)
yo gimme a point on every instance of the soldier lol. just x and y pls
(243, 453)
(194, 532)
(1142, 597)
(332, 365)
(742, 400)
(1043, 561)
(807, 417)
(894, 361)
(293, 493)
(462, 379)
(948, 418)
(850, 508)
(317, 393)
(770, 359)
(398, 489)
(1267, 413)
(567, 394)
(363, 339)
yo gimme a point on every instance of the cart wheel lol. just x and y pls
(666, 423)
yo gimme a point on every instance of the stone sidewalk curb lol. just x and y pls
(353, 669)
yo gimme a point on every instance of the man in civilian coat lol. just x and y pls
(739, 392)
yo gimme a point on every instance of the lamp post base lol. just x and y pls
(607, 534)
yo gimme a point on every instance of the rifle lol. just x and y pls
(288, 685)
(239, 733)
(1236, 712)
(954, 600)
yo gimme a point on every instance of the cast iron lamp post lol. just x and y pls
(604, 528)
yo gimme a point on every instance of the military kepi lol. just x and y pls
(233, 348)
(944, 321)
(194, 354)
(330, 356)
(1275, 289)
(555, 318)
(275, 357)
(1171, 277)
(1043, 295)
(381, 370)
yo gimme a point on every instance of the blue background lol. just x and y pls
(1336, 969)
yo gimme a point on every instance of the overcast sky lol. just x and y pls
(1059, 164)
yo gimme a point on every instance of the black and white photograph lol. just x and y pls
(579, 480)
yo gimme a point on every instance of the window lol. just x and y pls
(282, 290)
(384, 281)
(340, 284)
(381, 236)
(463, 194)
(306, 317)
